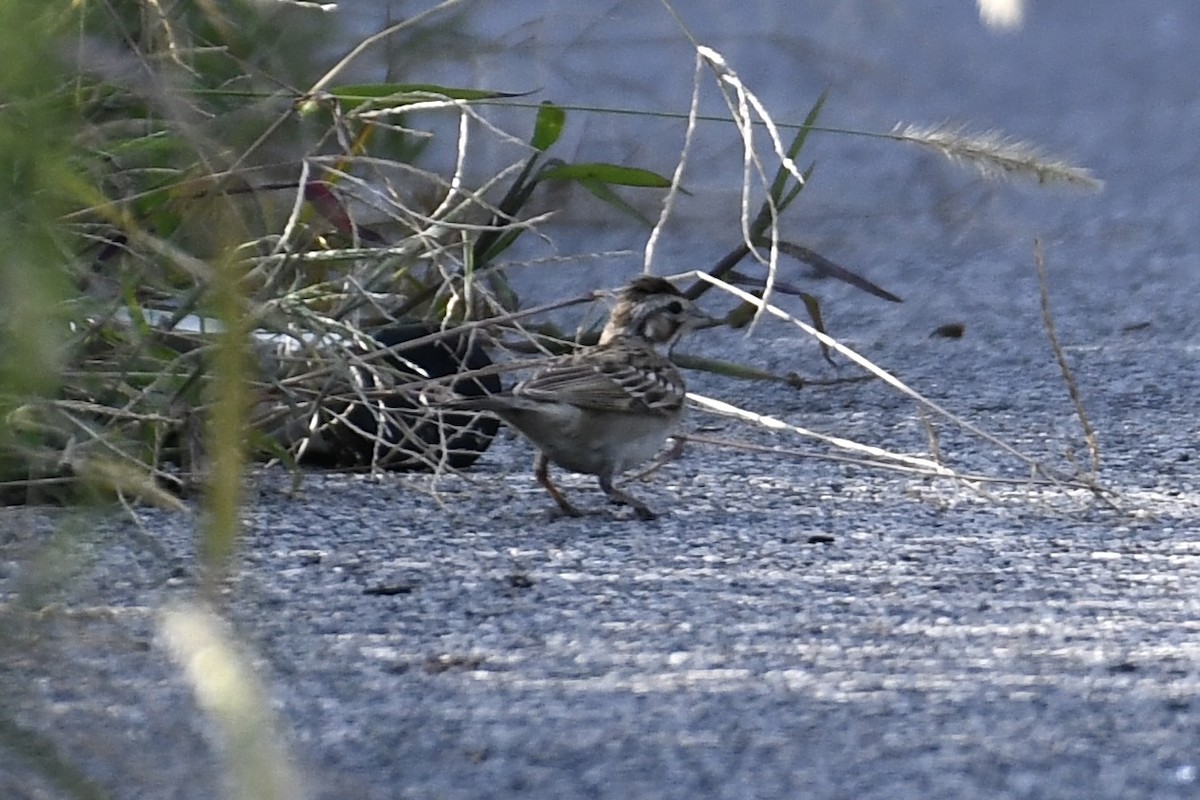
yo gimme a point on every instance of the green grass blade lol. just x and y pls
(354, 95)
(548, 126)
(614, 174)
(603, 191)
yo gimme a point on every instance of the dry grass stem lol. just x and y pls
(1089, 433)
(668, 202)
(878, 455)
(1036, 467)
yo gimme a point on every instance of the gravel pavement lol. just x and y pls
(790, 627)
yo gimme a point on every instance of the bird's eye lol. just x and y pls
(674, 307)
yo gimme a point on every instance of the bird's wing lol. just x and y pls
(605, 381)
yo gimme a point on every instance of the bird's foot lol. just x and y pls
(565, 509)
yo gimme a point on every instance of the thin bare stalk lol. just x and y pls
(1089, 433)
(1036, 466)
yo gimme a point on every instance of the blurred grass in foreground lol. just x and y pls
(49, 151)
(36, 123)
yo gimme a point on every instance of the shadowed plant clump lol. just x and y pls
(195, 275)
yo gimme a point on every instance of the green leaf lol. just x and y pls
(782, 175)
(154, 148)
(602, 190)
(796, 188)
(740, 315)
(829, 269)
(549, 125)
(493, 242)
(497, 245)
(606, 173)
(354, 95)
(814, 313)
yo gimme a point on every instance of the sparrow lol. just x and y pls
(605, 409)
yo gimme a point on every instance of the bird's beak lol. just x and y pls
(698, 320)
(695, 320)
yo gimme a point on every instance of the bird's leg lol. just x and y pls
(541, 470)
(617, 496)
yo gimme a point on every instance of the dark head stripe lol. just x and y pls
(644, 286)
